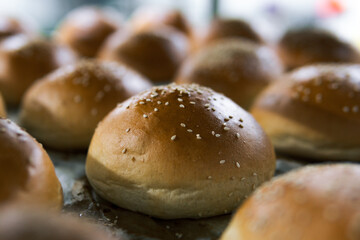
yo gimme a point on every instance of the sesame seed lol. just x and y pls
(355, 108)
(213, 109)
(217, 135)
(318, 97)
(241, 126)
(145, 116)
(198, 136)
(124, 150)
(237, 164)
(193, 103)
(99, 96)
(242, 179)
(127, 107)
(180, 99)
(346, 109)
(167, 103)
(207, 105)
(237, 135)
(183, 124)
(94, 111)
(173, 138)
(230, 194)
(224, 124)
(222, 161)
(189, 130)
(241, 120)
(156, 110)
(213, 133)
(182, 106)
(209, 177)
(148, 100)
(226, 128)
(159, 102)
(255, 174)
(142, 103)
(230, 117)
(226, 119)
(127, 130)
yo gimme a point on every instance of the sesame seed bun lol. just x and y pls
(24, 60)
(314, 112)
(145, 18)
(86, 28)
(306, 46)
(317, 202)
(179, 151)
(34, 224)
(63, 109)
(156, 53)
(27, 174)
(238, 68)
(2, 107)
(229, 28)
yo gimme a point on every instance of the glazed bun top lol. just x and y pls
(329, 88)
(156, 53)
(306, 46)
(86, 28)
(34, 224)
(24, 60)
(26, 172)
(10, 26)
(316, 202)
(148, 18)
(230, 28)
(62, 109)
(238, 68)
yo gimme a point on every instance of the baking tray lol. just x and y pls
(81, 201)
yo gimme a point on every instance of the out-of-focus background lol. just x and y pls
(270, 17)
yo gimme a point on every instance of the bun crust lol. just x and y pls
(63, 109)
(307, 46)
(156, 53)
(317, 202)
(86, 28)
(27, 174)
(237, 68)
(2, 107)
(179, 151)
(314, 112)
(26, 59)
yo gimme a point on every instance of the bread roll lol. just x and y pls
(237, 68)
(156, 53)
(229, 28)
(25, 59)
(314, 112)
(20, 224)
(307, 46)
(179, 151)
(63, 109)
(317, 202)
(146, 18)
(86, 28)
(27, 174)
(2, 107)
(10, 26)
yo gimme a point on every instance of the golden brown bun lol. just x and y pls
(2, 107)
(21, 224)
(237, 68)
(146, 18)
(179, 151)
(24, 60)
(86, 28)
(229, 28)
(314, 112)
(10, 26)
(317, 202)
(26, 172)
(63, 109)
(156, 53)
(306, 46)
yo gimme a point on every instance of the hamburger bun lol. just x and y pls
(27, 174)
(62, 109)
(238, 68)
(24, 60)
(85, 29)
(307, 46)
(156, 53)
(316, 202)
(179, 151)
(10, 26)
(314, 112)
